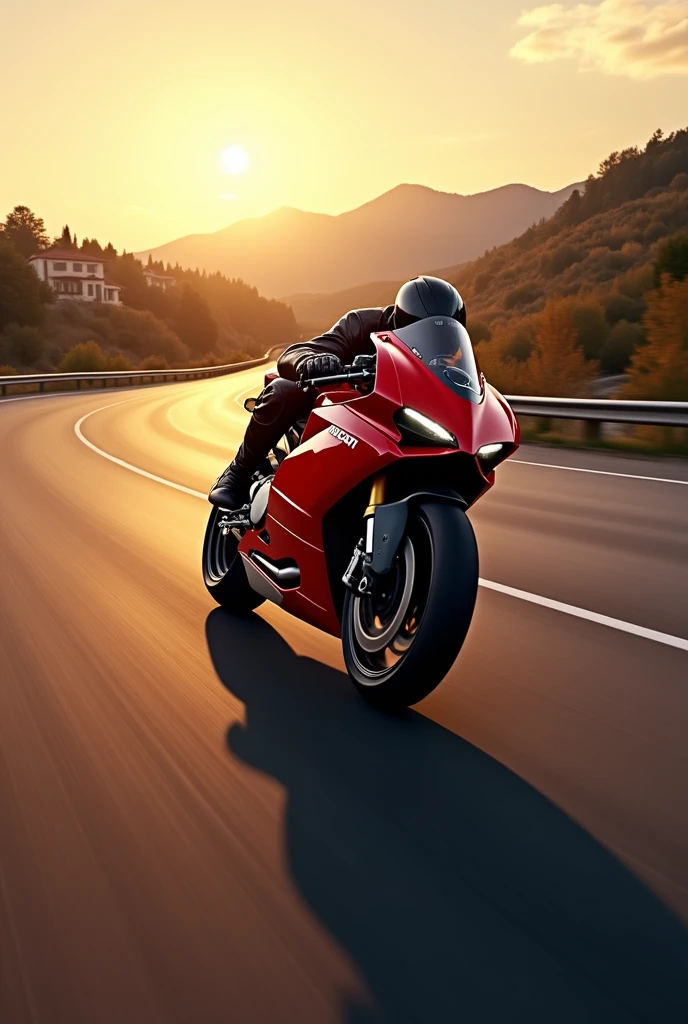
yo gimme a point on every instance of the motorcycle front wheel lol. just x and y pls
(400, 641)
(223, 569)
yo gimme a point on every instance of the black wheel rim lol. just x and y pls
(375, 615)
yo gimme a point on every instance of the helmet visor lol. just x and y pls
(444, 346)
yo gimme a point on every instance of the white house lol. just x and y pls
(75, 276)
(162, 281)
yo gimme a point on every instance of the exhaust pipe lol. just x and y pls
(289, 576)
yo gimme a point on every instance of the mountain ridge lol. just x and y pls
(408, 229)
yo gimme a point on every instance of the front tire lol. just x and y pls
(400, 642)
(223, 570)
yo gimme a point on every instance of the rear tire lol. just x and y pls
(398, 648)
(223, 570)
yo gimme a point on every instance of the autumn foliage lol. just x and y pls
(659, 370)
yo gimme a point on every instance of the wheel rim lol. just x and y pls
(384, 628)
(220, 550)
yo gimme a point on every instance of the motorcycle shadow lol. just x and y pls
(458, 890)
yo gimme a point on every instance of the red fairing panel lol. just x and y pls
(348, 441)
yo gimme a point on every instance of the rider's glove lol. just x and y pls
(319, 366)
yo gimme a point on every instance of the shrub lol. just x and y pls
(87, 357)
(153, 363)
(7, 371)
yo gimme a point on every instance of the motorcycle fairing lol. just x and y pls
(324, 469)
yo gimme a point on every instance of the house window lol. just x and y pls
(68, 287)
(92, 268)
(77, 267)
(59, 266)
(90, 290)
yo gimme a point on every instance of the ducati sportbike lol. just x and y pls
(358, 523)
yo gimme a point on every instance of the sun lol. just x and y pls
(235, 160)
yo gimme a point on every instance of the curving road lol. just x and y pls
(200, 821)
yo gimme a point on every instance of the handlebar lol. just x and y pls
(349, 374)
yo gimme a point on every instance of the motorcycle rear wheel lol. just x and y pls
(223, 570)
(400, 642)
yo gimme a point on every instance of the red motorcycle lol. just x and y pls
(358, 525)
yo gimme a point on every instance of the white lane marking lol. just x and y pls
(599, 472)
(128, 465)
(584, 613)
(501, 588)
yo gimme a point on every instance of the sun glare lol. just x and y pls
(235, 160)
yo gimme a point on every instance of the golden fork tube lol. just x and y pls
(377, 494)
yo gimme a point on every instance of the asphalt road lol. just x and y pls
(200, 820)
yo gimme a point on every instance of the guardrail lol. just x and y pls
(595, 411)
(105, 377)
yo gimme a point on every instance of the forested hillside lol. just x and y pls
(590, 274)
(201, 319)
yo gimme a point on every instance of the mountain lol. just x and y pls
(397, 235)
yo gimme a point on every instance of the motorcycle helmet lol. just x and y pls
(427, 296)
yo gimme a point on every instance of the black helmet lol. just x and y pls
(427, 296)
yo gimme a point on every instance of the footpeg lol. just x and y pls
(234, 521)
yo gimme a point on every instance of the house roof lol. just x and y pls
(66, 254)
(113, 284)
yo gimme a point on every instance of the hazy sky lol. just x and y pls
(114, 116)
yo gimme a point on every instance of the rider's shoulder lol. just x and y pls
(374, 318)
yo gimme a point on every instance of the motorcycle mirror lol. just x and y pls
(250, 404)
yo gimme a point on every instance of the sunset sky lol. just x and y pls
(114, 117)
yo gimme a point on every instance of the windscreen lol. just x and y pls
(445, 348)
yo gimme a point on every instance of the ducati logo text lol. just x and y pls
(343, 436)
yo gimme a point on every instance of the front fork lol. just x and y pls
(359, 575)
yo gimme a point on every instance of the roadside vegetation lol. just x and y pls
(202, 320)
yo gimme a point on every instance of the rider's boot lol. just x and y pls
(279, 405)
(231, 489)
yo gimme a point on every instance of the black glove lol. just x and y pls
(319, 366)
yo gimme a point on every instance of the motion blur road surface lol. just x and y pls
(200, 821)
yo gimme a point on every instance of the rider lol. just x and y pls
(282, 403)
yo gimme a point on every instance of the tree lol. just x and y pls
(672, 258)
(25, 231)
(22, 295)
(194, 323)
(556, 366)
(659, 370)
(591, 326)
(624, 338)
(23, 345)
(65, 240)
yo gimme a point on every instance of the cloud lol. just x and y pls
(616, 37)
(227, 195)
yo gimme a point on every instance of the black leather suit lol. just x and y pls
(282, 403)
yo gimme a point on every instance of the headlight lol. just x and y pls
(421, 430)
(486, 451)
(490, 455)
